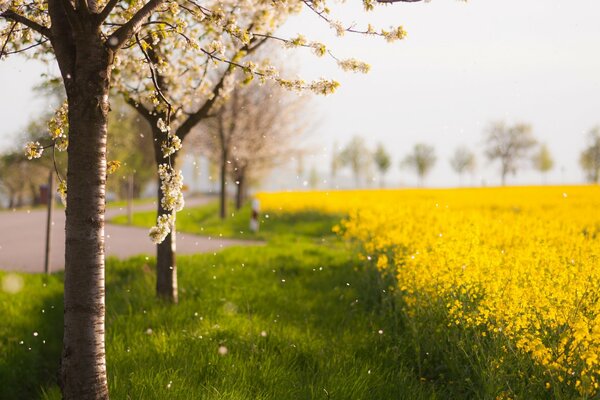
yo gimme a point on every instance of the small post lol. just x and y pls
(130, 199)
(50, 204)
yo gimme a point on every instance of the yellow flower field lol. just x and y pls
(521, 263)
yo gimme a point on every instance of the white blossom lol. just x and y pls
(33, 150)
(354, 65)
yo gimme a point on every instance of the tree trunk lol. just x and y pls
(166, 254)
(223, 193)
(239, 195)
(83, 364)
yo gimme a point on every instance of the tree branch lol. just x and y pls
(193, 119)
(143, 111)
(121, 35)
(107, 10)
(27, 22)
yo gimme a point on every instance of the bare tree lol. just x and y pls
(256, 130)
(462, 161)
(509, 144)
(590, 157)
(357, 157)
(383, 162)
(543, 161)
(421, 160)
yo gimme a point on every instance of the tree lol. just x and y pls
(336, 163)
(90, 39)
(590, 157)
(383, 162)
(357, 157)
(509, 144)
(250, 134)
(20, 178)
(129, 144)
(463, 161)
(421, 160)
(543, 161)
(313, 178)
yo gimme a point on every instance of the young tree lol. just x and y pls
(356, 155)
(509, 144)
(421, 160)
(543, 161)
(383, 162)
(590, 157)
(192, 72)
(89, 39)
(463, 161)
(251, 133)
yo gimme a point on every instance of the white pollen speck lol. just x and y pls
(380, 332)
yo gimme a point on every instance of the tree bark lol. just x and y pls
(166, 252)
(83, 364)
(240, 194)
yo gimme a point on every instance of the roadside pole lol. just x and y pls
(130, 199)
(50, 203)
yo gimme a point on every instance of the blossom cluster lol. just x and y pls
(171, 201)
(33, 150)
(164, 225)
(354, 65)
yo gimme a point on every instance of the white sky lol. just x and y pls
(462, 66)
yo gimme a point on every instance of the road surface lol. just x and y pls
(22, 238)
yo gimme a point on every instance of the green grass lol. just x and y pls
(204, 220)
(299, 320)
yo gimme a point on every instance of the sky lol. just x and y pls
(462, 66)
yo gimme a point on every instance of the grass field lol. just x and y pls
(295, 319)
(448, 294)
(274, 226)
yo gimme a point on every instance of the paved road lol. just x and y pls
(22, 238)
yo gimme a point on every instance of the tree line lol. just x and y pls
(512, 147)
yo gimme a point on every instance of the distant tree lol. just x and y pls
(14, 173)
(313, 178)
(509, 144)
(590, 157)
(250, 134)
(421, 160)
(463, 161)
(543, 161)
(130, 145)
(20, 178)
(356, 155)
(383, 162)
(336, 163)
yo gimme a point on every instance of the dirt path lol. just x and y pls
(22, 238)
